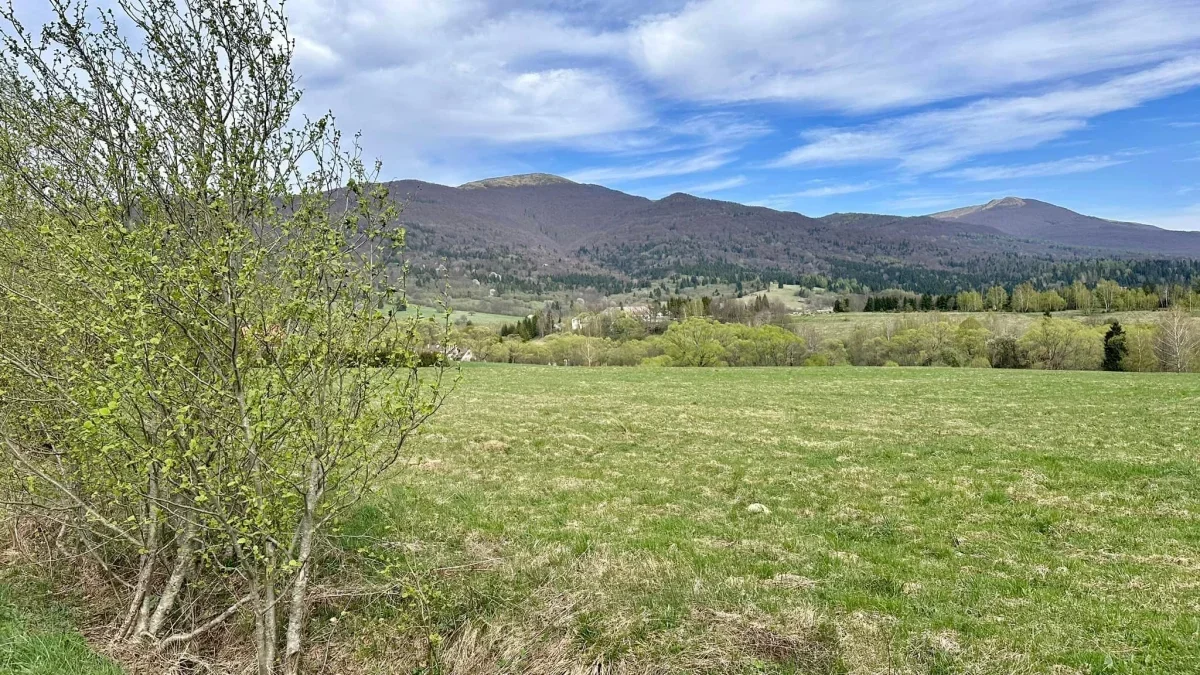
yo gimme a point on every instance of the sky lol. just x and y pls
(815, 106)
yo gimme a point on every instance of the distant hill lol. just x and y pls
(520, 180)
(1032, 219)
(538, 227)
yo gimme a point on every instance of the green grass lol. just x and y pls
(921, 520)
(37, 638)
(787, 296)
(840, 326)
(458, 316)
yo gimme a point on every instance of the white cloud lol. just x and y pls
(776, 203)
(1059, 167)
(452, 87)
(822, 189)
(716, 186)
(442, 81)
(693, 145)
(929, 141)
(927, 202)
(673, 166)
(438, 79)
(728, 130)
(879, 54)
(832, 190)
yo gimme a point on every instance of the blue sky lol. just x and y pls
(808, 105)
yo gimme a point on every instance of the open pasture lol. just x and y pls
(458, 315)
(841, 326)
(912, 520)
(555, 520)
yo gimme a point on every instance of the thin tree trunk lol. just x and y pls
(183, 566)
(145, 569)
(270, 625)
(299, 600)
(261, 650)
(138, 612)
(143, 617)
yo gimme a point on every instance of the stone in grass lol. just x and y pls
(759, 508)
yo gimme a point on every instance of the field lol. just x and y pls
(554, 520)
(920, 520)
(787, 295)
(459, 316)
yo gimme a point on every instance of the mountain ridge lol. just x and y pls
(539, 226)
(1031, 218)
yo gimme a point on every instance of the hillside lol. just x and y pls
(1033, 219)
(535, 227)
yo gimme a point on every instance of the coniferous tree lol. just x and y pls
(1114, 347)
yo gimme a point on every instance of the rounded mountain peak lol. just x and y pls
(1007, 202)
(519, 180)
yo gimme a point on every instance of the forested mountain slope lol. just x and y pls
(539, 227)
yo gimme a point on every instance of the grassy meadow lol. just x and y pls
(912, 520)
(916, 520)
(459, 315)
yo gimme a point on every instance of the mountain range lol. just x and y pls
(540, 229)
(1032, 219)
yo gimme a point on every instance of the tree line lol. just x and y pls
(1103, 296)
(1170, 343)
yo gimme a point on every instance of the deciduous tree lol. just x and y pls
(1178, 340)
(191, 284)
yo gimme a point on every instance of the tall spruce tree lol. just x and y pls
(1114, 347)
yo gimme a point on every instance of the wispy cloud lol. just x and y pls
(831, 190)
(790, 200)
(456, 83)
(931, 141)
(1059, 167)
(900, 54)
(773, 203)
(624, 91)
(674, 166)
(928, 202)
(716, 186)
(709, 130)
